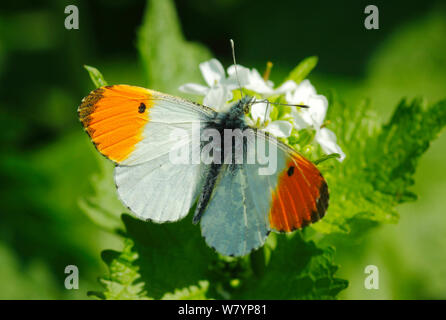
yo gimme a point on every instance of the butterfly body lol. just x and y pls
(238, 201)
(233, 119)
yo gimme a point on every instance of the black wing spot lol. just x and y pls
(322, 202)
(290, 171)
(142, 108)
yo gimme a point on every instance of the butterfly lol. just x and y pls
(235, 205)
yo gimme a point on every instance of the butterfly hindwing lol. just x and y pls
(246, 204)
(301, 194)
(159, 190)
(234, 222)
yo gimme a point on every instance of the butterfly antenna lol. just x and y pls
(282, 104)
(290, 105)
(235, 66)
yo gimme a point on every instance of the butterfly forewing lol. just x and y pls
(131, 125)
(134, 127)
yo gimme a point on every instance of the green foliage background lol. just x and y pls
(385, 89)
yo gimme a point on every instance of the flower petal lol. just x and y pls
(257, 84)
(306, 94)
(249, 121)
(243, 75)
(317, 110)
(258, 111)
(194, 88)
(212, 71)
(287, 86)
(217, 97)
(327, 140)
(279, 128)
(303, 118)
(302, 93)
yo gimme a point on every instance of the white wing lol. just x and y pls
(236, 218)
(159, 190)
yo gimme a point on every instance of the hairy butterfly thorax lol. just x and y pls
(235, 117)
(230, 125)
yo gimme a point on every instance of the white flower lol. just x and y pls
(252, 80)
(313, 116)
(327, 140)
(260, 113)
(219, 89)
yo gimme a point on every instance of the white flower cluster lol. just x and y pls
(219, 91)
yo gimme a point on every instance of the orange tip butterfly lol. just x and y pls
(237, 205)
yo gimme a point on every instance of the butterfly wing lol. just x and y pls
(235, 222)
(133, 127)
(130, 125)
(245, 205)
(300, 196)
(159, 190)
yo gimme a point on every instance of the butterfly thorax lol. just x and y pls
(235, 117)
(232, 122)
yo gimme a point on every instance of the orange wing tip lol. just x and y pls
(114, 117)
(88, 105)
(301, 197)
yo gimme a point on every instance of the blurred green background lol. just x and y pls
(46, 159)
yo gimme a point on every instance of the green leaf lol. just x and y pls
(380, 163)
(303, 69)
(191, 293)
(296, 270)
(168, 60)
(96, 76)
(172, 261)
(103, 206)
(123, 281)
(327, 157)
(400, 145)
(355, 127)
(164, 257)
(177, 250)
